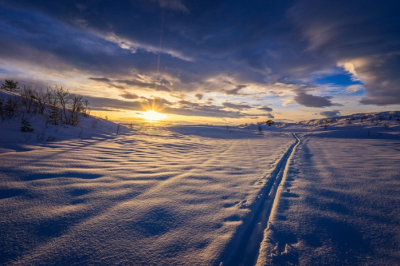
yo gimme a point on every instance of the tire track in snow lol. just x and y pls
(245, 244)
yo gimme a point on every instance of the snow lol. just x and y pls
(339, 204)
(201, 195)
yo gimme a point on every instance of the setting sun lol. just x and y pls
(153, 116)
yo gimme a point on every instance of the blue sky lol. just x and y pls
(219, 61)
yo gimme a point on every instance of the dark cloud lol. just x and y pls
(330, 113)
(236, 106)
(363, 37)
(130, 96)
(235, 91)
(265, 108)
(142, 104)
(270, 116)
(199, 96)
(132, 83)
(313, 101)
(100, 79)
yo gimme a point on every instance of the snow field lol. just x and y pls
(155, 197)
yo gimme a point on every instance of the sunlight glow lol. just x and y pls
(153, 116)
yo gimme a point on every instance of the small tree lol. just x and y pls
(269, 122)
(63, 98)
(54, 116)
(74, 111)
(26, 126)
(11, 107)
(10, 85)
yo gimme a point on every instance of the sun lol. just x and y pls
(153, 116)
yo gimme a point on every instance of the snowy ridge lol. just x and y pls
(381, 125)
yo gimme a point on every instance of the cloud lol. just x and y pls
(100, 79)
(235, 91)
(354, 88)
(330, 113)
(129, 96)
(309, 100)
(364, 43)
(132, 83)
(199, 96)
(270, 116)
(265, 108)
(236, 106)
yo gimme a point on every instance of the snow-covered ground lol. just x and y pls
(339, 205)
(201, 195)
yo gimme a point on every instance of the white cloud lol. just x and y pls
(354, 88)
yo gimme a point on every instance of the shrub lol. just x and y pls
(26, 126)
(50, 138)
(54, 116)
(10, 85)
(269, 122)
(40, 136)
(11, 107)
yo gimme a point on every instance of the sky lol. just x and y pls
(222, 62)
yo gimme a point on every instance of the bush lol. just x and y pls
(26, 126)
(10, 85)
(269, 122)
(11, 107)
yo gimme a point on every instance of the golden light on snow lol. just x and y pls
(152, 116)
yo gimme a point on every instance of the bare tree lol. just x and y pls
(41, 96)
(29, 100)
(85, 108)
(63, 97)
(74, 110)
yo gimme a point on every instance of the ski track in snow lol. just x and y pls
(246, 244)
